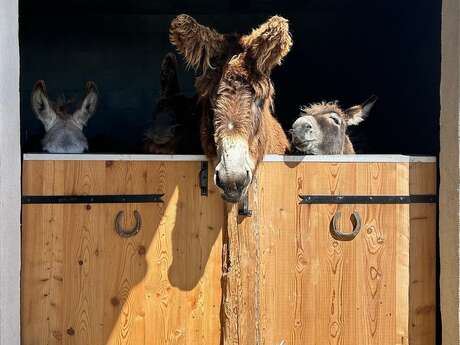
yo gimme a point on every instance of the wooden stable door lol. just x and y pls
(82, 283)
(313, 287)
(199, 272)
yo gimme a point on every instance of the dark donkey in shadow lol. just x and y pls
(175, 128)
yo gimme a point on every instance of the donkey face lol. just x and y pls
(321, 127)
(165, 118)
(235, 83)
(172, 113)
(63, 125)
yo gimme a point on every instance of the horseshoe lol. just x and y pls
(345, 236)
(125, 233)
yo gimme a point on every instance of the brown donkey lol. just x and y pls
(321, 128)
(235, 95)
(174, 127)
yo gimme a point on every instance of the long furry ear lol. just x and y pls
(41, 105)
(88, 107)
(269, 43)
(196, 42)
(358, 113)
(169, 82)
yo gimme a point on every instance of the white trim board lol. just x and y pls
(268, 158)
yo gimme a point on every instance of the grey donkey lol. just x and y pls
(321, 128)
(63, 121)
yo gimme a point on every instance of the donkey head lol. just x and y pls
(321, 128)
(62, 120)
(235, 84)
(173, 112)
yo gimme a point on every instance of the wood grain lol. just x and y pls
(422, 298)
(285, 277)
(423, 178)
(313, 289)
(83, 284)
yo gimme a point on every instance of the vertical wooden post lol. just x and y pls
(231, 279)
(449, 162)
(240, 290)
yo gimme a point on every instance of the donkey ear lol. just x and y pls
(358, 113)
(269, 43)
(41, 105)
(196, 42)
(168, 76)
(88, 106)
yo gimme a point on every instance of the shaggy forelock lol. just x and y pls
(233, 110)
(315, 109)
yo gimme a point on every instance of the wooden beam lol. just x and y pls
(449, 173)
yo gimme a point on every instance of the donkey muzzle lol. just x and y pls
(234, 187)
(233, 173)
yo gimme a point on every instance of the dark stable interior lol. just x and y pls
(343, 50)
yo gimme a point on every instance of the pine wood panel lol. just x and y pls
(83, 284)
(423, 178)
(422, 303)
(285, 277)
(422, 311)
(305, 287)
(319, 290)
(349, 178)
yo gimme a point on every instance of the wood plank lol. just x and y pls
(41, 278)
(422, 297)
(423, 178)
(231, 281)
(402, 245)
(351, 178)
(422, 311)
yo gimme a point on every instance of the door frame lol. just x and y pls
(449, 173)
(10, 174)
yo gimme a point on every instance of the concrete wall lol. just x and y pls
(10, 205)
(449, 173)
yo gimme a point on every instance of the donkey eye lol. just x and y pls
(336, 120)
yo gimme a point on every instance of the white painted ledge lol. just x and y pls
(268, 158)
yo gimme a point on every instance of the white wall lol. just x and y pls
(10, 204)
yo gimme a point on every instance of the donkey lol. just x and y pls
(235, 95)
(64, 125)
(174, 129)
(321, 128)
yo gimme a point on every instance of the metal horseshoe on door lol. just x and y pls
(127, 232)
(345, 236)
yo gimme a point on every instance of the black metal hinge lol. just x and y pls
(91, 199)
(361, 199)
(204, 178)
(244, 208)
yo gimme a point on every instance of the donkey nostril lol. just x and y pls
(218, 181)
(241, 184)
